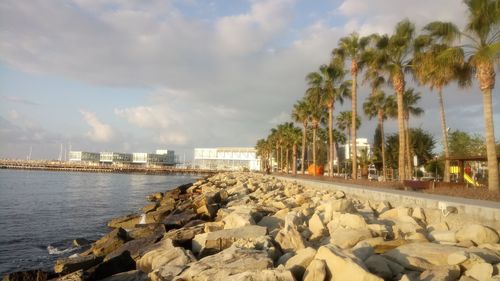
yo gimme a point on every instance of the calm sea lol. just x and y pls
(42, 212)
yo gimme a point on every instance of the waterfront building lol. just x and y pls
(83, 156)
(345, 150)
(227, 158)
(115, 157)
(160, 158)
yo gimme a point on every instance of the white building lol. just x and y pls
(227, 158)
(160, 158)
(361, 144)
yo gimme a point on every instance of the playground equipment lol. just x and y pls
(455, 170)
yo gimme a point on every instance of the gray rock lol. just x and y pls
(213, 242)
(316, 271)
(341, 266)
(480, 271)
(114, 265)
(68, 265)
(378, 265)
(133, 275)
(300, 261)
(478, 234)
(445, 273)
(226, 263)
(109, 242)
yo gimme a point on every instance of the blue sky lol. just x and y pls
(141, 75)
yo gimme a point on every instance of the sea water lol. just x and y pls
(41, 212)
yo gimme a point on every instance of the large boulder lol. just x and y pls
(480, 271)
(182, 237)
(238, 219)
(334, 206)
(271, 223)
(132, 275)
(165, 254)
(134, 247)
(229, 262)
(109, 242)
(478, 234)
(213, 242)
(446, 236)
(421, 256)
(316, 226)
(290, 240)
(114, 265)
(443, 273)
(378, 265)
(261, 275)
(347, 238)
(74, 276)
(127, 221)
(178, 220)
(68, 265)
(316, 271)
(298, 263)
(341, 266)
(146, 231)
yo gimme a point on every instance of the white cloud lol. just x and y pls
(213, 82)
(251, 31)
(100, 132)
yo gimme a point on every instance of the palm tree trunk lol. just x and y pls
(336, 157)
(303, 148)
(408, 157)
(294, 162)
(330, 140)
(446, 177)
(398, 84)
(287, 166)
(490, 140)
(382, 140)
(281, 158)
(314, 149)
(353, 124)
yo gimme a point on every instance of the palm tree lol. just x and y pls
(344, 122)
(264, 150)
(314, 97)
(394, 55)
(352, 48)
(436, 65)
(301, 113)
(482, 37)
(294, 136)
(410, 108)
(378, 104)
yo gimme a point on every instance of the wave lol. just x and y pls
(56, 251)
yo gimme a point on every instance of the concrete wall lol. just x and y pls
(468, 210)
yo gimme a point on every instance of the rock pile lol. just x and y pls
(243, 226)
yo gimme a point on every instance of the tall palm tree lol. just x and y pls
(314, 97)
(482, 47)
(301, 114)
(294, 136)
(264, 150)
(377, 105)
(394, 54)
(436, 64)
(410, 108)
(352, 48)
(344, 122)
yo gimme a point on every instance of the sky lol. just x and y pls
(140, 75)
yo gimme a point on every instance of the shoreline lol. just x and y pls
(279, 230)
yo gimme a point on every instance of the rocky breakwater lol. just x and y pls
(243, 226)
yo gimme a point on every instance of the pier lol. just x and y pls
(62, 166)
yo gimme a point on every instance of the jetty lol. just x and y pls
(63, 166)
